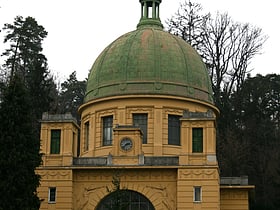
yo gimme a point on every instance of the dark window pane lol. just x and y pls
(197, 194)
(140, 120)
(107, 130)
(197, 139)
(52, 194)
(126, 200)
(86, 136)
(55, 141)
(174, 129)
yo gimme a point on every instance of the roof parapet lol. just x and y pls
(234, 181)
(46, 117)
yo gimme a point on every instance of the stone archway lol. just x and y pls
(125, 200)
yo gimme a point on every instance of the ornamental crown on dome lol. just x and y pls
(150, 13)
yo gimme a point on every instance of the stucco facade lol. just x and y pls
(165, 174)
(152, 125)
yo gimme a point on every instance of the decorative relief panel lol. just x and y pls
(173, 111)
(91, 176)
(87, 197)
(198, 124)
(138, 175)
(133, 110)
(107, 112)
(198, 174)
(55, 174)
(159, 186)
(161, 195)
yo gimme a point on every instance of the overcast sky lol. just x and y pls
(78, 30)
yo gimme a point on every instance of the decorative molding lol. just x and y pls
(170, 110)
(198, 115)
(198, 124)
(160, 188)
(198, 174)
(159, 195)
(162, 197)
(90, 176)
(55, 174)
(132, 175)
(86, 196)
(143, 109)
(107, 112)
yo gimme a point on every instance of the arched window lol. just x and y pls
(125, 200)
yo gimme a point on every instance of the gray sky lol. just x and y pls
(78, 30)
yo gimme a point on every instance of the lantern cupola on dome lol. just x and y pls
(150, 13)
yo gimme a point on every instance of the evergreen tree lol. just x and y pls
(19, 153)
(71, 96)
(256, 108)
(24, 58)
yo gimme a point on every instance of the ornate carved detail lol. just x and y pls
(140, 109)
(91, 187)
(198, 124)
(131, 110)
(55, 174)
(165, 199)
(102, 113)
(170, 110)
(132, 175)
(42, 173)
(89, 176)
(87, 194)
(151, 175)
(189, 114)
(198, 173)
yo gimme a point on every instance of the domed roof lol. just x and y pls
(149, 61)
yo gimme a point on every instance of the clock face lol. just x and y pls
(126, 144)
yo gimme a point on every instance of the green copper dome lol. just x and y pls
(149, 61)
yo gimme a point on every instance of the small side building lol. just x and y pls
(234, 193)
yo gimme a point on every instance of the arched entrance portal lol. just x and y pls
(125, 200)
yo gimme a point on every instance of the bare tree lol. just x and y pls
(187, 23)
(227, 47)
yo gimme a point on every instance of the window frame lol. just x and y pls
(197, 140)
(55, 142)
(51, 194)
(86, 146)
(174, 130)
(141, 124)
(197, 198)
(107, 126)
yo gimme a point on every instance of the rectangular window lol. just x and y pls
(73, 143)
(107, 130)
(55, 141)
(86, 136)
(78, 143)
(140, 120)
(174, 129)
(52, 195)
(197, 140)
(197, 194)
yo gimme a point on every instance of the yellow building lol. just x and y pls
(147, 138)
